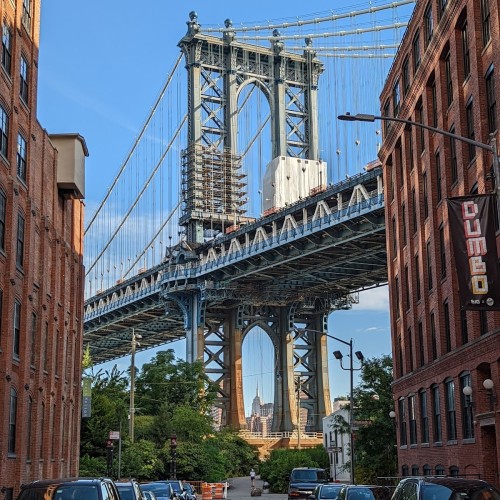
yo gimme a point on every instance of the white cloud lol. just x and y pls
(376, 299)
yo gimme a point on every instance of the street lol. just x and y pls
(241, 488)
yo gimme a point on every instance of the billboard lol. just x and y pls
(472, 230)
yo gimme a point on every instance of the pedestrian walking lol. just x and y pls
(252, 477)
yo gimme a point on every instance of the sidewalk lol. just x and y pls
(242, 486)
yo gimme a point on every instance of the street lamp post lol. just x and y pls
(132, 384)
(338, 355)
(492, 147)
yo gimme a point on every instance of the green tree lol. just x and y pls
(375, 452)
(277, 468)
(110, 405)
(171, 382)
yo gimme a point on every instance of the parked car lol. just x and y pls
(365, 492)
(190, 491)
(444, 488)
(70, 489)
(326, 491)
(178, 487)
(303, 480)
(161, 489)
(129, 490)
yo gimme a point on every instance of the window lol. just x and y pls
(17, 329)
(416, 52)
(436, 414)
(466, 403)
(454, 471)
(463, 321)
(426, 196)
(23, 82)
(485, 21)
(465, 50)
(56, 351)
(412, 415)
(395, 98)
(419, 112)
(449, 81)
(421, 356)
(409, 339)
(424, 418)
(439, 185)
(6, 48)
(427, 470)
(417, 276)
(414, 211)
(449, 387)
(491, 102)
(21, 157)
(442, 251)
(400, 356)
(42, 432)
(433, 337)
(406, 76)
(29, 429)
(399, 160)
(403, 216)
(469, 115)
(394, 238)
(428, 24)
(407, 288)
(45, 346)
(414, 470)
(26, 16)
(20, 241)
(453, 157)
(405, 471)
(53, 434)
(33, 339)
(434, 104)
(409, 137)
(1, 312)
(429, 265)
(396, 295)
(402, 422)
(447, 327)
(3, 205)
(4, 131)
(440, 470)
(11, 446)
(387, 123)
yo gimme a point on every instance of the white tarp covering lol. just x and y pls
(287, 180)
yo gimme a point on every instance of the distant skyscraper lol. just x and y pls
(257, 403)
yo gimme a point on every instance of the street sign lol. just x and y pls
(114, 435)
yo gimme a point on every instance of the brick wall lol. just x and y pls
(464, 342)
(43, 371)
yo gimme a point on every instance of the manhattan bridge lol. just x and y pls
(243, 204)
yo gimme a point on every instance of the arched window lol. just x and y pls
(454, 471)
(427, 470)
(440, 470)
(405, 471)
(414, 470)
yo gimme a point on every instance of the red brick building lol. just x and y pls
(41, 269)
(445, 75)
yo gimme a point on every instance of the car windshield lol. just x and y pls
(126, 492)
(330, 492)
(460, 492)
(308, 475)
(176, 487)
(61, 492)
(360, 494)
(159, 489)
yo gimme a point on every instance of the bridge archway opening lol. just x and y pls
(254, 140)
(258, 370)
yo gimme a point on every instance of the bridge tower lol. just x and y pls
(213, 195)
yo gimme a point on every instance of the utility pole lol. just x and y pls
(132, 384)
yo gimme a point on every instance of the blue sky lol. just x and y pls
(101, 66)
